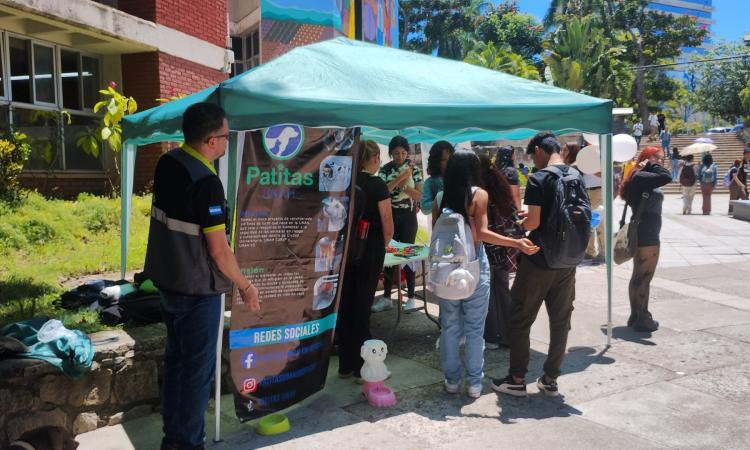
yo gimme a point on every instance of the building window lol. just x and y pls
(20, 69)
(33, 72)
(246, 52)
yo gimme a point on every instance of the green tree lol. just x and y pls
(652, 37)
(505, 26)
(503, 60)
(447, 26)
(723, 86)
(582, 59)
(560, 10)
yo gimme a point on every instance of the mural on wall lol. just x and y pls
(286, 24)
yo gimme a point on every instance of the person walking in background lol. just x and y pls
(653, 127)
(736, 186)
(466, 318)
(707, 175)
(745, 168)
(504, 162)
(666, 138)
(404, 181)
(675, 163)
(662, 120)
(501, 210)
(440, 152)
(648, 177)
(688, 178)
(638, 131)
(361, 276)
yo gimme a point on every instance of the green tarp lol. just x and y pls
(348, 83)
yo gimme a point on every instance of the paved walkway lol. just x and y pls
(686, 386)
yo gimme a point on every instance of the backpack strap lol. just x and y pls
(624, 213)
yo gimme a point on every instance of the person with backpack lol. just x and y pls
(504, 162)
(436, 163)
(559, 218)
(459, 274)
(374, 226)
(735, 185)
(404, 181)
(707, 176)
(642, 189)
(501, 217)
(688, 177)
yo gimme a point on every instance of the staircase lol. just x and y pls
(730, 147)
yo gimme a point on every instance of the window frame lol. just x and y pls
(248, 61)
(7, 99)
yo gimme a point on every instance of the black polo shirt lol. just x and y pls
(202, 203)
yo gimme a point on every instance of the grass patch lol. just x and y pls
(43, 241)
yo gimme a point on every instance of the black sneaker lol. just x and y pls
(645, 322)
(549, 389)
(509, 386)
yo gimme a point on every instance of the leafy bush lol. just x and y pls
(14, 152)
(10, 238)
(37, 231)
(99, 217)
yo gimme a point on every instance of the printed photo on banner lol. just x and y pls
(332, 216)
(339, 140)
(335, 173)
(324, 291)
(328, 253)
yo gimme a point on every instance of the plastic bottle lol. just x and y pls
(53, 329)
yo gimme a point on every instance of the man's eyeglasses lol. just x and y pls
(225, 136)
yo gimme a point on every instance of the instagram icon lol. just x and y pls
(249, 385)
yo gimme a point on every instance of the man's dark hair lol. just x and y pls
(398, 141)
(200, 120)
(544, 140)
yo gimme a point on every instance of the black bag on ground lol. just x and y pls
(139, 307)
(565, 235)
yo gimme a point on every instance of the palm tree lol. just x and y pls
(559, 10)
(503, 60)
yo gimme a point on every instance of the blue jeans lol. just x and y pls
(465, 318)
(189, 362)
(675, 168)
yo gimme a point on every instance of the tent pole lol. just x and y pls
(127, 170)
(605, 145)
(217, 374)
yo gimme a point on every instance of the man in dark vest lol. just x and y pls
(189, 260)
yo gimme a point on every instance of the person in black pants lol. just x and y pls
(404, 181)
(500, 210)
(361, 278)
(648, 177)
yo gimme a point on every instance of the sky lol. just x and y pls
(730, 16)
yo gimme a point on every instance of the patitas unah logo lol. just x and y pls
(283, 141)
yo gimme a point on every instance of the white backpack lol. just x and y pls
(454, 267)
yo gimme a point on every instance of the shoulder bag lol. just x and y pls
(626, 239)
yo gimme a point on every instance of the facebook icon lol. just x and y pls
(247, 360)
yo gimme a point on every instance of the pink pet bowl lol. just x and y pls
(378, 394)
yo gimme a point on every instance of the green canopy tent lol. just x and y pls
(346, 83)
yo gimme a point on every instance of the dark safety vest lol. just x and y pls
(177, 258)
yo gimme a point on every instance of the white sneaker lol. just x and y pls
(451, 388)
(382, 304)
(462, 341)
(490, 345)
(410, 305)
(474, 391)
(437, 343)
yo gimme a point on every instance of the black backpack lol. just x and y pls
(687, 176)
(565, 234)
(358, 237)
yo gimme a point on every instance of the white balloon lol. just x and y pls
(588, 160)
(624, 147)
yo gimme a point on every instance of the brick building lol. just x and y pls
(56, 55)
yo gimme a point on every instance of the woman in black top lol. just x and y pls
(361, 278)
(504, 162)
(648, 177)
(404, 181)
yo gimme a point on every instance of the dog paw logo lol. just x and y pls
(283, 141)
(249, 385)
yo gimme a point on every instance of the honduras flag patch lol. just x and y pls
(214, 210)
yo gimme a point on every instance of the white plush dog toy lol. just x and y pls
(460, 279)
(373, 352)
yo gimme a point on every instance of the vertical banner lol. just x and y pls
(293, 204)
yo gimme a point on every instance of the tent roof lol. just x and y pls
(347, 83)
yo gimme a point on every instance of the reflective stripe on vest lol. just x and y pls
(175, 224)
